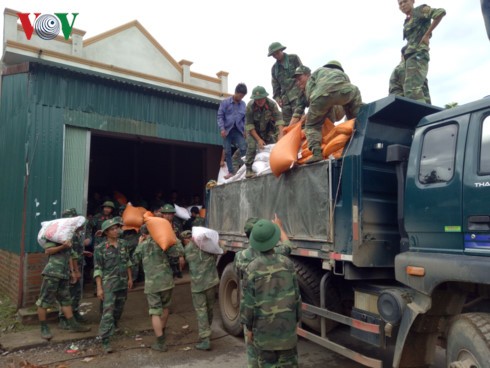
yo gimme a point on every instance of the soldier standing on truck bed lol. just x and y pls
(242, 260)
(284, 90)
(417, 30)
(327, 87)
(270, 307)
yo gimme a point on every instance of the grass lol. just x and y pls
(9, 321)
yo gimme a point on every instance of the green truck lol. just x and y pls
(391, 242)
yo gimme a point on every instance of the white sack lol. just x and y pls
(206, 239)
(59, 230)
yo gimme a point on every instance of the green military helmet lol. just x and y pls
(258, 93)
(247, 229)
(72, 212)
(108, 204)
(168, 208)
(108, 223)
(265, 235)
(275, 46)
(300, 70)
(334, 64)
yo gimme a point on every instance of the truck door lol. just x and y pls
(476, 192)
(433, 197)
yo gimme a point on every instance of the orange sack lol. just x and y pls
(285, 152)
(132, 217)
(202, 212)
(335, 144)
(161, 231)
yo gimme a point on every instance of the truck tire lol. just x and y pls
(229, 301)
(468, 342)
(309, 277)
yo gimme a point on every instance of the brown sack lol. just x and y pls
(132, 217)
(335, 144)
(161, 231)
(285, 152)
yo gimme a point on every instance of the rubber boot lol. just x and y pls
(79, 318)
(250, 173)
(106, 345)
(45, 331)
(316, 157)
(74, 326)
(63, 324)
(204, 344)
(159, 344)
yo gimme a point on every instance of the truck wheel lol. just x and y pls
(468, 343)
(229, 301)
(309, 278)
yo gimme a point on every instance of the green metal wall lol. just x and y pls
(35, 107)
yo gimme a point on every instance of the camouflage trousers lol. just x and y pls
(268, 137)
(278, 358)
(348, 97)
(252, 358)
(287, 112)
(236, 160)
(112, 309)
(203, 303)
(54, 291)
(416, 68)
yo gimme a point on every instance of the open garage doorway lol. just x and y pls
(140, 167)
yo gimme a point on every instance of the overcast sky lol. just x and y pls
(365, 36)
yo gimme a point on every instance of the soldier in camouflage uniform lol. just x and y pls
(159, 282)
(397, 79)
(131, 237)
(95, 223)
(242, 260)
(326, 87)
(284, 89)
(176, 262)
(195, 219)
(76, 288)
(417, 30)
(112, 273)
(57, 274)
(263, 124)
(270, 307)
(204, 278)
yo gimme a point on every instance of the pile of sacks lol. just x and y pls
(293, 147)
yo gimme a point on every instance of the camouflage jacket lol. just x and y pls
(323, 82)
(77, 246)
(131, 238)
(58, 265)
(95, 224)
(158, 274)
(263, 119)
(202, 268)
(283, 81)
(196, 221)
(271, 303)
(397, 79)
(417, 25)
(111, 265)
(244, 257)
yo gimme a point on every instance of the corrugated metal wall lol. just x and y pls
(36, 106)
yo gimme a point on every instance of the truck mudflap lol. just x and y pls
(436, 268)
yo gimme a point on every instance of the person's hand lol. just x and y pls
(88, 254)
(73, 278)
(425, 39)
(222, 163)
(181, 263)
(141, 239)
(223, 134)
(78, 275)
(294, 121)
(100, 294)
(279, 102)
(250, 337)
(67, 244)
(277, 220)
(98, 233)
(130, 284)
(86, 242)
(261, 144)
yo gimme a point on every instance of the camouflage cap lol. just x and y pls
(186, 234)
(168, 208)
(265, 235)
(249, 225)
(258, 93)
(300, 70)
(108, 204)
(71, 212)
(334, 64)
(275, 46)
(108, 223)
